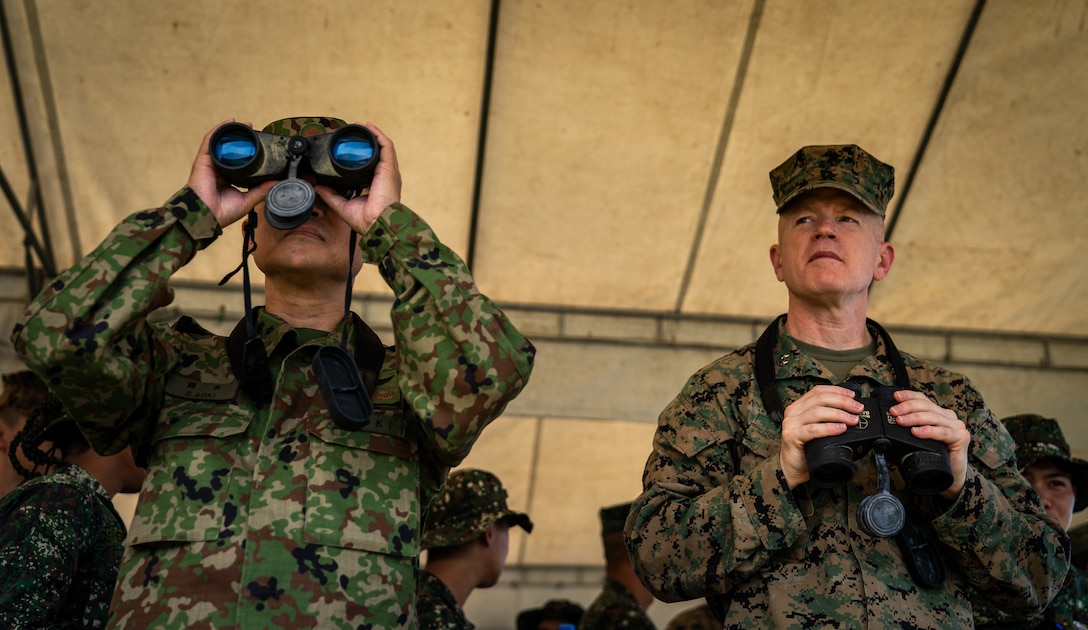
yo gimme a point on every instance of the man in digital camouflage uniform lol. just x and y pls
(467, 537)
(60, 535)
(622, 603)
(23, 391)
(727, 510)
(1061, 481)
(258, 510)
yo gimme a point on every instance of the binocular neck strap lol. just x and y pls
(764, 366)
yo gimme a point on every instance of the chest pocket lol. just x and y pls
(197, 449)
(363, 488)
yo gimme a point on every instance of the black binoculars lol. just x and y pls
(924, 464)
(344, 160)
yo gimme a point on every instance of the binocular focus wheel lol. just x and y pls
(881, 514)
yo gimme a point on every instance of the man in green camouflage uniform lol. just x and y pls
(622, 603)
(727, 510)
(1061, 481)
(467, 537)
(259, 511)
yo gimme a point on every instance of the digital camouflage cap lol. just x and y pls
(473, 500)
(1040, 438)
(844, 166)
(305, 126)
(561, 610)
(613, 518)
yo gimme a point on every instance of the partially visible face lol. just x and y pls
(131, 475)
(11, 422)
(829, 246)
(1055, 488)
(317, 249)
(499, 549)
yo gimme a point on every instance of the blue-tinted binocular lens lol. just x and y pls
(235, 147)
(352, 149)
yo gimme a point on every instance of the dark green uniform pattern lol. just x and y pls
(436, 607)
(615, 608)
(60, 546)
(717, 520)
(263, 516)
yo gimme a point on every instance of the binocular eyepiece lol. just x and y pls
(924, 464)
(344, 160)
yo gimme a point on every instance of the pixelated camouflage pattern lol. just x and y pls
(698, 618)
(60, 546)
(561, 610)
(613, 518)
(472, 501)
(717, 520)
(1068, 610)
(844, 166)
(1039, 438)
(305, 126)
(262, 516)
(436, 607)
(615, 608)
(23, 390)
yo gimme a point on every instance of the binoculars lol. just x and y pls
(344, 160)
(924, 464)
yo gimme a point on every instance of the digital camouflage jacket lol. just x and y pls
(716, 518)
(60, 546)
(256, 514)
(436, 607)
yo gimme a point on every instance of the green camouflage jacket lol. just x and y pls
(269, 515)
(60, 546)
(717, 520)
(615, 608)
(436, 607)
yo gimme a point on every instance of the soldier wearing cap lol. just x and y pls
(23, 391)
(262, 507)
(467, 536)
(622, 603)
(728, 511)
(1061, 481)
(551, 615)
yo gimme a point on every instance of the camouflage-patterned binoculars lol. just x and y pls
(924, 464)
(343, 160)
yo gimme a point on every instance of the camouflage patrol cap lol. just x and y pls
(844, 166)
(306, 126)
(561, 610)
(1039, 438)
(614, 517)
(473, 500)
(23, 391)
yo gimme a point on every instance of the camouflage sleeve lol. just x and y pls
(702, 525)
(87, 334)
(461, 359)
(1010, 550)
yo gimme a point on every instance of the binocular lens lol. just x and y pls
(352, 149)
(234, 148)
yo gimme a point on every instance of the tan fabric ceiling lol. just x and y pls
(625, 165)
